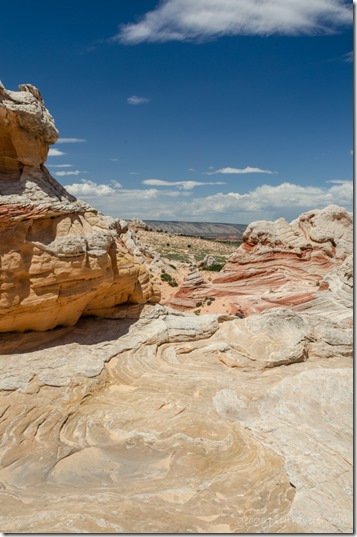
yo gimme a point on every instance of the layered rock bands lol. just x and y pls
(155, 420)
(305, 265)
(59, 258)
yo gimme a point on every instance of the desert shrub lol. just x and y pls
(173, 283)
(198, 304)
(166, 277)
(215, 268)
(209, 302)
(197, 312)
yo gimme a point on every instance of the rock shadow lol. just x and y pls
(88, 331)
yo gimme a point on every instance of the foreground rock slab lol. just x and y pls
(177, 423)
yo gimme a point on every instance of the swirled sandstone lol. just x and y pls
(177, 423)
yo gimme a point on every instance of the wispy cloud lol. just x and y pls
(134, 173)
(60, 165)
(55, 152)
(348, 57)
(134, 99)
(248, 169)
(74, 172)
(185, 185)
(200, 20)
(339, 182)
(69, 140)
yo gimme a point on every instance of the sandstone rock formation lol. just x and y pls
(59, 258)
(154, 420)
(305, 265)
(178, 424)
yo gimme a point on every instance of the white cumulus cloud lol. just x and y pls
(89, 188)
(185, 185)
(137, 100)
(247, 169)
(200, 20)
(266, 202)
(55, 152)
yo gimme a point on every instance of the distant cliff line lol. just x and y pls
(205, 230)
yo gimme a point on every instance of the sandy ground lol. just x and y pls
(176, 254)
(218, 305)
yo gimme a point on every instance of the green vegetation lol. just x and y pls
(165, 277)
(214, 268)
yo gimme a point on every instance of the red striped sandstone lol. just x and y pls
(305, 265)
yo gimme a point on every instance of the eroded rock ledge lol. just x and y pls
(60, 259)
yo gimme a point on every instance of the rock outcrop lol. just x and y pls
(305, 265)
(59, 258)
(178, 423)
(154, 420)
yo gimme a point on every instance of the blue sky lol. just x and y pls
(201, 110)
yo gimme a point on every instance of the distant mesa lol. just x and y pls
(205, 230)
